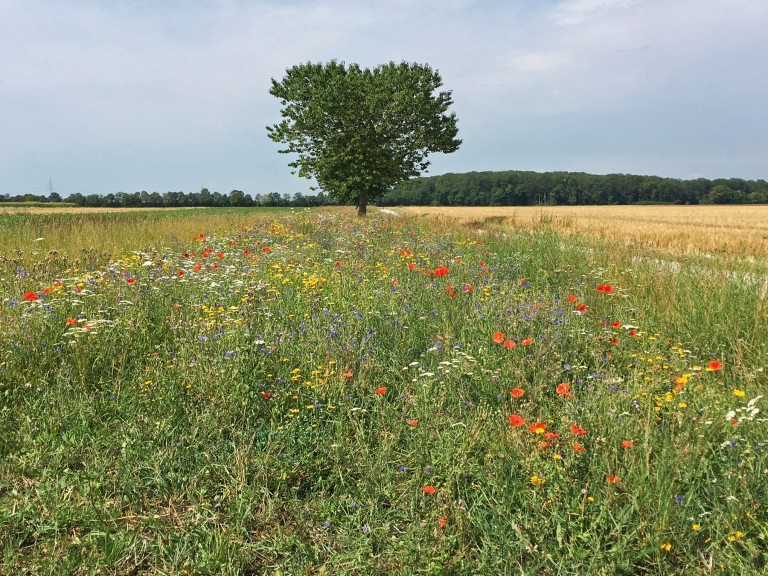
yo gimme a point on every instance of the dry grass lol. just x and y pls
(733, 230)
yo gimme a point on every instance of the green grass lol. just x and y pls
(289, 406)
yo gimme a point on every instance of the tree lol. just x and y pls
(359, 132)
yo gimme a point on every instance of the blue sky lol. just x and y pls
(108, 96)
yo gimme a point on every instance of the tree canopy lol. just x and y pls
(358, 131)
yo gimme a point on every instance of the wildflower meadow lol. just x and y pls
(311, 393)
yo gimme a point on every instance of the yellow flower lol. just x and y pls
(696, 527)
(739, 393)
(537, 481)
(666, 546)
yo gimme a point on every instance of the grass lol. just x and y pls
(310, 394)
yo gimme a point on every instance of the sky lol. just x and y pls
(103, 96)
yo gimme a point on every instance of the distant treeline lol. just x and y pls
(517, 188)
(204, 198)
(511, 188)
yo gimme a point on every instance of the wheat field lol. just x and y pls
(732, 230)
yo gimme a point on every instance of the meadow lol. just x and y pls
(280, 392)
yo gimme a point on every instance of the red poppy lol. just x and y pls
(347, 374)
(411, 266)
(442, 271)
(551, 436)
(131, 280)
(608, 289)
(526, 342)
(578, 447)
(31, 296)
(265, 249)
(266, 395)
(572, 299)
(442, 521)
(612, 479)
(563, 389)
(71, 321)
(537, 427)
(215, 266)
(381, 391)
(47, 290)
(220, 255)
(197, 267)
(428, 489)
(516, 392)
(412, 422)
(498, 337)
(715, 365)
(452, 295)
(509, 344)
(600, 288)
(516, 420)
(576, 429)
(181, 272)
(633, 333)
(616, 324)
(581, 308)
(627, 444)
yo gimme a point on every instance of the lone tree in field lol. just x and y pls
(359, 132)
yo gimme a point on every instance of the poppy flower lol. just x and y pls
(600, 288)
(428, 490)
(181, 273)
(537, 427)
(452, 295)
(627, 444)
(578, 447)
(498, 337)
(31, 296)
(47, 290)
(608, 289)
(612, 479)
(516, 420)
(616, 324)
(581, 308)
(411, 266)
(509, 344)
(713, 366)
(197, 267)
(71, 321)
(381, 391)
(266, 395)
(572, 299)
(220, 255)
(516, 392)
(526, 342)
(412, 422)
(633, 333)
(347, 374)
(442, 521)
(551, 436)
(563, 389)
(131, 281)
(576, 429)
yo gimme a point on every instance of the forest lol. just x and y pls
(522, 188)
(508, 188)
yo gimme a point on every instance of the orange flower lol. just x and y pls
(131, 280)
(516, 392)
(575, 429)
(563, 389)
(381, 391)
(413, 422)
(551, 436)
(714, 365)
(71, 321)
(526, 342)
(442, 521)
(428, 490)
(578, 447)
(616, 324)
(572, 299)
(498, 337)
(509, 344)
(627, 444)
(581, 308)
(612, 479)
(516, 420)
(31, 296)
(347, 374)
(537, 427)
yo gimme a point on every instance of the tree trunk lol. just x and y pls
(362, 204)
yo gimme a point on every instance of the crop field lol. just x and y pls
(302, 392)
(731, 230)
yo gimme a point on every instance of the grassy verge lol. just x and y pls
(311, 394)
